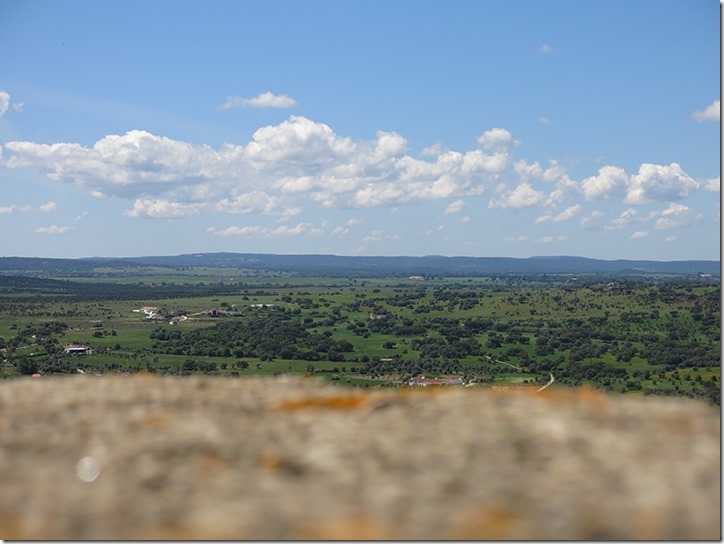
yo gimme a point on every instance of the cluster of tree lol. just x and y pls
(191, 365)
(681, 355)
(267, 337)
(378, 366)
(447, 348)
(535, 325)
(42, 336)
(31, 365)
(69, 291)
(457, 299)
(594, 371)
(33, 333)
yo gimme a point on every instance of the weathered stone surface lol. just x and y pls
(191, 458)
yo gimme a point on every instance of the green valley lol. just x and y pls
(632, 334)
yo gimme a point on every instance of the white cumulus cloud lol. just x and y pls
(268, 232)
(53, 229)
(161, 209)
(657, 182)
(610, 180)
(625, 219)
(298, 229)
(297, 162)
(432, 150)
(249, 230)
(565, 215)
(297, 143)
(676, 215)
(4, 102)
(496, 138)
(712, 184)
(522, 196)
(455, 207)
(263, 100)
(551, 239)
(711, 113)
(251, 202)
(122, 165)
(48, 207)
(533, 171)
(6, 105)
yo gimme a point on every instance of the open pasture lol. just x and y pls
(628, 336)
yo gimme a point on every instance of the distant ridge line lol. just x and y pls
(346, 265)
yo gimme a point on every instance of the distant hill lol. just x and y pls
(431, 264)
(357, 266)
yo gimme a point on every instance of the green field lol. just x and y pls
(636, 335)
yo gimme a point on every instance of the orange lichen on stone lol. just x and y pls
(270, 461)
(11, 527)
(355, 527)
(179, 530)
(431, 390)
(582, 395)
(491, 521)
(155, 421)
(333, 402)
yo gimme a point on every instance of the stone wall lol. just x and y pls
(213, 458)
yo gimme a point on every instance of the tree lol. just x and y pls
(26, 366)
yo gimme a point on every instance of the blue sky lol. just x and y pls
(361, 127)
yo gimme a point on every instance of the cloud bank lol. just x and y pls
(295, 160)
(299, 164)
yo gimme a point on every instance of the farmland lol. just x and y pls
(629, 334)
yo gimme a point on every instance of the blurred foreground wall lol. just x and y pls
(210, 458)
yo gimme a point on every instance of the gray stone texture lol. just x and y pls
(147, 457)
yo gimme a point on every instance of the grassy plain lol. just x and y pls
(634, 335)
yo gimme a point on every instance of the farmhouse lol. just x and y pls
(150, 311)
(78, 349)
